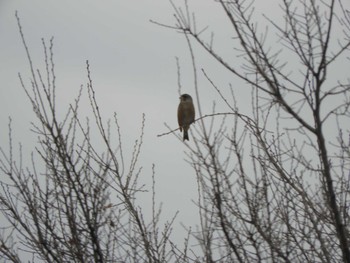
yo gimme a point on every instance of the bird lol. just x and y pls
(185, 114)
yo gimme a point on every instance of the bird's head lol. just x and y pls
(185, 98)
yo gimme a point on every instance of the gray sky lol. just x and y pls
(133, 70)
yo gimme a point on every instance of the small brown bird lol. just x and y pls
(185, 114)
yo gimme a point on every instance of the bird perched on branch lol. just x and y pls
(185, 114)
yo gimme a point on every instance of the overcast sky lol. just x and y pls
(133, 69)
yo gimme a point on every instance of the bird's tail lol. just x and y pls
(186, 135)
